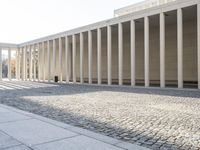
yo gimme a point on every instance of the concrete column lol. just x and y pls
(198, 43)
(146, 51)
(162, 50)
(18, 64)
(48, 61)
(74, 57)
(30, 63)
(43, 62)
(39, 61)
(132, 52)
(0, 64)
(109, 54)
(120, 55)
(81, 57)
(99, 57)
(53, 69)
(34, 63)
(90, 56)
(180, 47)
(60, 59)
(67, 58)
(9, 64)
(25, 63)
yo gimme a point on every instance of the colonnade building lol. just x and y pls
(156, 45)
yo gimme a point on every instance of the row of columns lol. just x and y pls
(109, 54)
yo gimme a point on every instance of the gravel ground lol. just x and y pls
(154, 118)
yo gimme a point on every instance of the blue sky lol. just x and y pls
(24, 20)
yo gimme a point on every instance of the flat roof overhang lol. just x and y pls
(8, 45)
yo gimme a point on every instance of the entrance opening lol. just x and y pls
(190, 47)
(13, 64)
(4, 64)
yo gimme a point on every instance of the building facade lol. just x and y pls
(154, 46)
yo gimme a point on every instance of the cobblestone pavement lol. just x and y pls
(158, 119)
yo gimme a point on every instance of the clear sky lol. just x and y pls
(24, 20)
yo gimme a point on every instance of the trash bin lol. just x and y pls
(56, 79)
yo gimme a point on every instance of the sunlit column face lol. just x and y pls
(120, 57)
(60, 58)
(74, 57)
(99, 57)
(81, 56)
(132, 29)
(0, 63)
(146, 50)
(162, 50)
(67, 58)
(180, 47)
(198, 45)
(109, 54)
(49, 66)
(90, 56)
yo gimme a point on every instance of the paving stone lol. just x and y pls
(164, 116)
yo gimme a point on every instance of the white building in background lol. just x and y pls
(140, 6)
(157, 43)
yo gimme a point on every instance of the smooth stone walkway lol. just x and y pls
(21, 130)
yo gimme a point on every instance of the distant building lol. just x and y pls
(140, 6)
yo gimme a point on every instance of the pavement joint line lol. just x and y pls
(41, 118)
(55, 140)
(15, 110)
(10, 146)
(37, 117)
(77, 136)
(20, 142)
(94, 137)
(16, 121)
